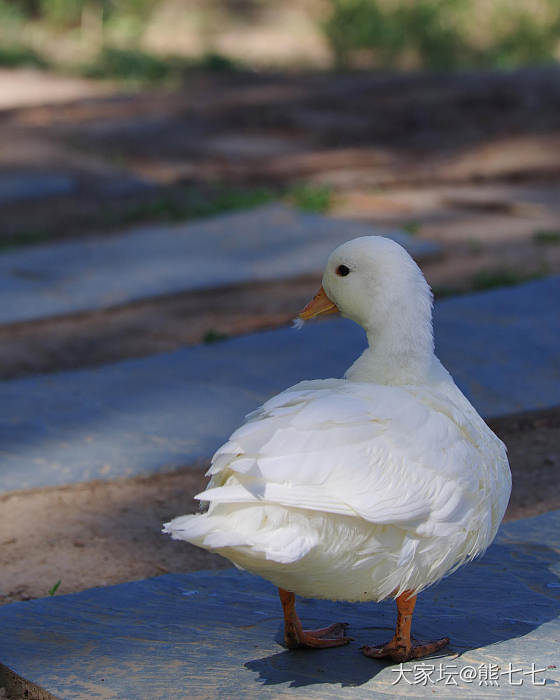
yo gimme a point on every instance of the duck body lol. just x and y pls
(365, 487)
(352, 490)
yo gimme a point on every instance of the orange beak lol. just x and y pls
(319, 305)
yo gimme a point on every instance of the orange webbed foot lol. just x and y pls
(400, 652)
(331, 636)
(295, 636)
(403, 646)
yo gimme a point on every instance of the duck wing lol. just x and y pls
(389, 455)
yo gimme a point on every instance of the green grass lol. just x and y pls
(308, 197)
(182, 204)
(443, 291)
(412, 227)
(186, 205)
(25, 238)
(54, 589)
(193, 205)
(213, 336)
(488, 279)
(501, 277)
(547, 237)
(475, 247)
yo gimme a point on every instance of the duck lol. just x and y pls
(370, 486)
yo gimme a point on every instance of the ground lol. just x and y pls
(108, 532)
(468, 161)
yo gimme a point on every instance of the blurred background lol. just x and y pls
(439, 117)
(154, 40)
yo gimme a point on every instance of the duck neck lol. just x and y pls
(401, 350)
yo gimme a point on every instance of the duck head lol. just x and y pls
(374, 281)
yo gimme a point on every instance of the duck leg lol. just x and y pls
(402, 647)
(295, 636)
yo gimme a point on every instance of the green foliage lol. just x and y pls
(15, 55)
(316, 198)
(64, 14)
(436, 33)
(427, 28)
(547, 237)
(215, 63)
(354, 25)
(61, 13)
(137, 66)
(126, 64)
(11, 14)
(524, 38)
(433, 34)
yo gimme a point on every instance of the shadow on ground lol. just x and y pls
(493, 610)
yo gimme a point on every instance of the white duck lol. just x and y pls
(372, 486)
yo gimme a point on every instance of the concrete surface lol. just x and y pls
(270, 242)
(159, 413)
(218, 635)
(28, 185)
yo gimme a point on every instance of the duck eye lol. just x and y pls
(342, 270)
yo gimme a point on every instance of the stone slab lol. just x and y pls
(218, 635)
(270, 242)
(159, 413)
(16, 186)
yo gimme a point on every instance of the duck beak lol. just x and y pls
(319, 305)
